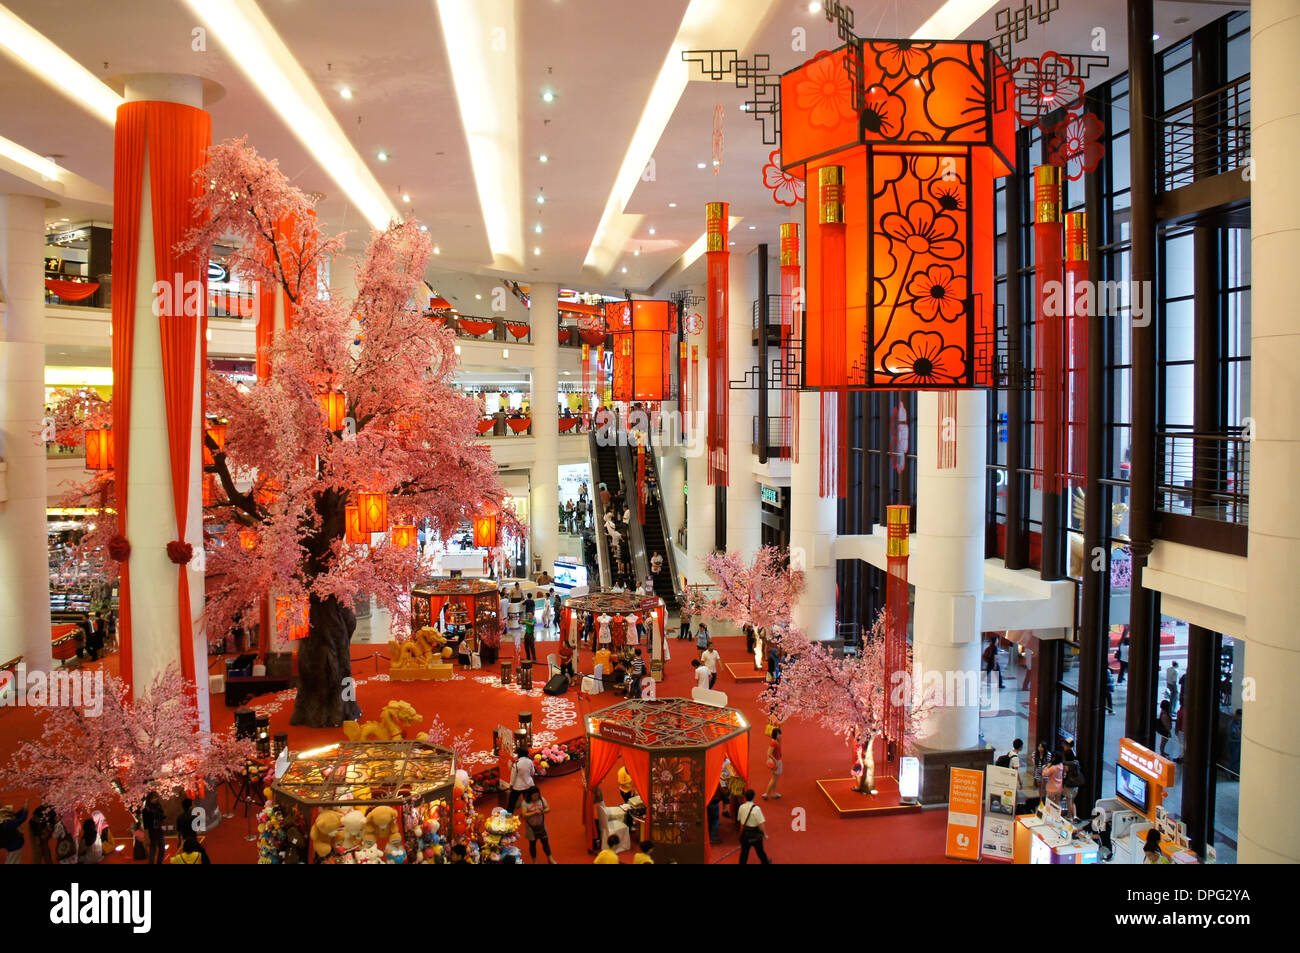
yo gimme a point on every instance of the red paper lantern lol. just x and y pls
(352, 522)
(99, 449)
(919, 140)
(290, 620)
(642, 332)
(268, 492)
(247, 539)
(402, 535)
(485, 527)
(334, 405)
(372, 512)
(216, 429)
(209, 488)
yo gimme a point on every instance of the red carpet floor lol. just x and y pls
(802, 825)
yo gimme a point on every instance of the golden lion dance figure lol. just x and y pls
(422, 649)
(393, 721)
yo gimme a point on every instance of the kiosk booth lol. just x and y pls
(674, 749)
(468, 609)
(581, 612)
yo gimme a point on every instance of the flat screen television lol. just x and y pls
(1132, 789)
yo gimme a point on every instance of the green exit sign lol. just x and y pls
(770, 494)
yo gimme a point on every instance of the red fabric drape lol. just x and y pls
(518, 331)
(592, 337)
(565, 334)
(737, 749)
(568, 423)
(71, 290)
(1076, 273)
(435, 606)
(638, 765)
(718, 271)
(1050, 338)
(476, 327)
(265, 331)
(485, 424)
(602, 755)
(834, 325)
(713, 758)
(519, 424)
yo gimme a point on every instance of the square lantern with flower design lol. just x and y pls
(643, 358)
(900, 142)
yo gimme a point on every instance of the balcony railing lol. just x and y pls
(1207, 136)
(770, 433)
(1203, 488)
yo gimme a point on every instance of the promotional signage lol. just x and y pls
(770, 495)
(909, 778)
(999, 812)
(1145, 762)
(613, 731)
(965, 804)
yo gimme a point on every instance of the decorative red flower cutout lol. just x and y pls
(825, 92)
(1045, 85)
(924, 232)
(937, 293)
(923, 359)
(882, 113)
(786, 189)
(903, 56)
(955, 97)
(1076, 144)
(694, 323)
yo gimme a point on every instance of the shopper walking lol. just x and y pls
(1164, 725)
(685, 632)
(11, 832)
(710, 660)
(1072, 781)
(991, 664)
(701, 673)
(753, 829)
(534, 811)
(774, 765)
(1171, 683)
(530, 637)
(521, 777)
(1041, 759)
(1121, 656)
(1054, 778)
(702, 637)
(152, 819)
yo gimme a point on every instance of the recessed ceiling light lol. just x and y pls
(672, 204)
(543, 158)
(457, 350)
(405, 197)
(65, 220)
(652, 231)
(637, 253)
(505, 352)
(538, 228)
(625, 269)
(381, 155)
(424, 228)
(548, 96)
(536, 250)
(1155, 36)
(814, 7)
(345, 93)
(752, 227)
(478, 297)
(701, 165)
(717, 162)
(437, 250)
(541, 199)
(731, 243)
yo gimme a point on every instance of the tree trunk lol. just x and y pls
(326, 693)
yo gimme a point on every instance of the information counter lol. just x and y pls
(1051, 840)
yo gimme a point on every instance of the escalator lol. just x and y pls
(655, 533)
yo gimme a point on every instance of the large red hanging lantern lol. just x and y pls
(717, 226)
(642, 332)
(486, 529)
(402, 535)
(920, 131)
(352, 525)
(334, 405)
(372, 512)
(99, 449)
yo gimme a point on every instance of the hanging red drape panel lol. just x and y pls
(519, 424)
(1076, 278)
(789, 381)
(71, 290)
(293, 238)
(833, 475)
(517, 331)
(565, 334)
(602, 756)
(695, 386)
(637, 761)
(717, 225)
(1050, 337)
(737, 750)
(896, 551)
(485, 424)
(173, 139)
(568, 423)
(476, 328)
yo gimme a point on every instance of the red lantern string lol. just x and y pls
(789, 332)
(896, 552)
(1049, 341)
(1076, 274)
(717, 222)
(834, 323)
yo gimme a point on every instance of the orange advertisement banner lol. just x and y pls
(965, 809)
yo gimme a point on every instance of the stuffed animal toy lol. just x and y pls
(354, 825)
(395, 853)
(381, 824)
(325, 831)
(369, 855)
(295, 845)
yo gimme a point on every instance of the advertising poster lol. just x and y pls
(965, 805)
(999, 812)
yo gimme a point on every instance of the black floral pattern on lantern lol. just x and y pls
(937, 293)
(902, 56)
(949, 193)
(882, 113)
(924, 230)
(924, 359)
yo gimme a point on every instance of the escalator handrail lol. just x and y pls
(598, 510)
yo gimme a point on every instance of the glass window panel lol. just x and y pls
(1179, 334)
(1177, 395)
(1119, 165)
(1119, 113)
(1239, 323)
(1238, 56)
(1179, 266)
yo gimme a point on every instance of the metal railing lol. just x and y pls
(1206, 136)
(1206, 475)
(773, 312)
(774, 433)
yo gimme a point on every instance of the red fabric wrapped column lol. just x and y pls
(790, 334)
(1076, 278)
(717, 224)
(169, 140)
(834, 325)
(1048, 274)
(896, 553)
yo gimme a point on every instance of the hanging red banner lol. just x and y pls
(1049, 385)
(830, 283)
(640, 481)
(789, 381)
(1077, 313)
(717, 223)
(898, 519)
(695, 385)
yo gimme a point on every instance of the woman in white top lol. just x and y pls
(603, 636)
(546, 610)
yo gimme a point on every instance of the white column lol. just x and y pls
(743, 507)
(25, 605)
(1267, 830)
(700, 520)
(151, 523)
(812, 527)
(543, 521)
(947, 566)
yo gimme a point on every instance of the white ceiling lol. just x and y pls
(601, 57)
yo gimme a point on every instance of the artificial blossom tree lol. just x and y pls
(760, 594)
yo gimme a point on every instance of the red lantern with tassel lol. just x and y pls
(642, 332)
(99, 449)
(717, 226)
(334, 405)
(402, 535)
(352, 525)
(372, 512)
(486, 530)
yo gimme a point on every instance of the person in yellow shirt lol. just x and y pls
(608, 855)
(644, 855)
(625, 785)
(191, 852)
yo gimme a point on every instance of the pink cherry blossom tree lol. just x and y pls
(846, 694)
(87, 758)
(760, 594)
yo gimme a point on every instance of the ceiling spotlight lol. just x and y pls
(652, 231)
(717, 162)
(625, 269)
(543, 158)
(424, 228)
(381, 155)
(814, 7)
(1155, 36)
(405, 197)
(548, 96)
(731, 243)
(345, 93)
(538, 228)
(478, 297)
(536, 250)
(701, 165)
(541, 199)
(505, 352)
(672, 204)
(437, 250)
(637, 253)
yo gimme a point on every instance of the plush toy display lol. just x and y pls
(380, 824)
(324, 832)
(354, 824)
